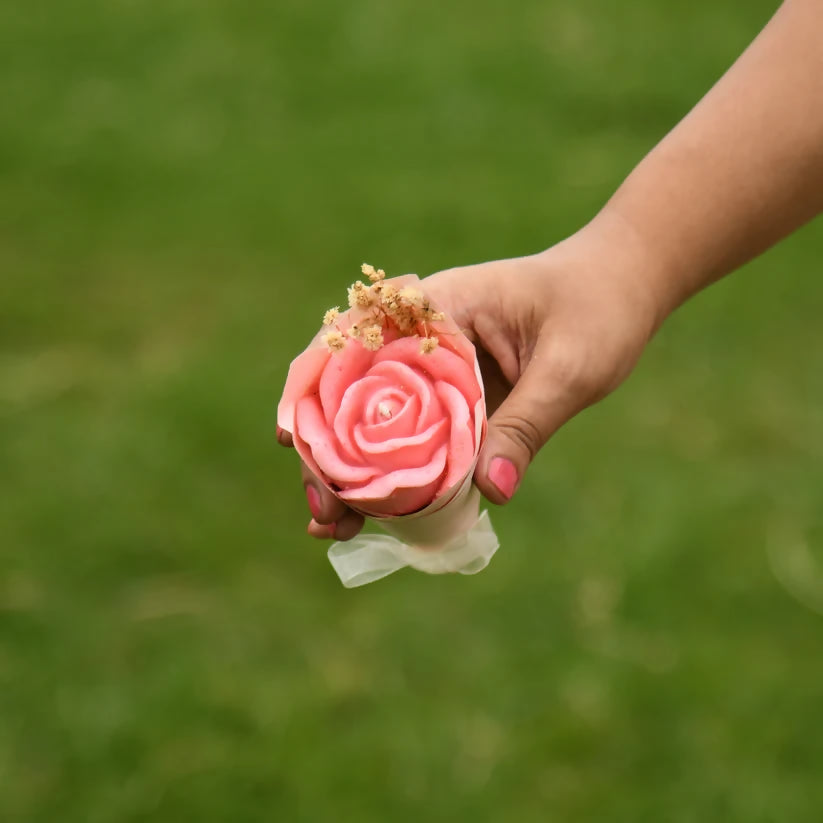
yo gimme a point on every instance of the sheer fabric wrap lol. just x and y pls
(455, 538)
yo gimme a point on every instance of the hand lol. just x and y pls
(554, 333)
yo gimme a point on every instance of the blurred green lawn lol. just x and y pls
(184, 186)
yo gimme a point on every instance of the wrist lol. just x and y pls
(643, 268)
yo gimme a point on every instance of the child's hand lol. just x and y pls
(561, 329)
(554, 332)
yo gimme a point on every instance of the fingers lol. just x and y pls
(330, 517)
(348, 526)
(542, 400)
(324, 506)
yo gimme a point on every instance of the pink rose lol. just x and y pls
(390, 430)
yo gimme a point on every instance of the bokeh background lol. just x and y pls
(185, 185)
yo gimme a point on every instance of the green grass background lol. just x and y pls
(185, 185)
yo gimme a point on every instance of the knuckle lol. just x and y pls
(577, 377)
(524, 433)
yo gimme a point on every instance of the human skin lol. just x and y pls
(559, 330)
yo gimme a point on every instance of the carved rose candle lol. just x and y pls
(386, 407)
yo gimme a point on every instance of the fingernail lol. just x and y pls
(503, 475)
(313, 496)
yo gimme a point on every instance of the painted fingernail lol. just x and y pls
(503, 475)
(313, 497)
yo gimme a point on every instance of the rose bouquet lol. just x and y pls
(386, 407)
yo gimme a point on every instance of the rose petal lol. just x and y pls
(399, 492)
(461, 437)
(413, 382)
(394, 444)
(403, 452)
(303, 379)
(312, 430)
(304, 451)
(441, 364)
(403, 424)
(384, 405)
(403, 501)
(350, 413)
(342, 370)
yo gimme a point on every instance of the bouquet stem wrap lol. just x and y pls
(455, 538)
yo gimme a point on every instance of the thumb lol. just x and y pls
(541, 401)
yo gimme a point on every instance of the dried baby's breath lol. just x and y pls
(373, 337)
(360, 296)
(384, 307)
(375, 275)
(334, 340)
(411, 297)
(388, 294)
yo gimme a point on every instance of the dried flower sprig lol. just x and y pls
(373, 337)
(375, 275)
(334, 340)
(360, 296)
(406, 310)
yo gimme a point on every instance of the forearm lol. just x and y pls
(742, 170)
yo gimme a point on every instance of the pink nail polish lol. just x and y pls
(503, 474)
(313, 497)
